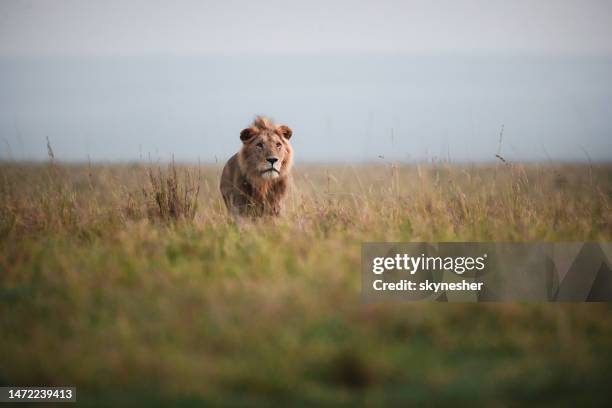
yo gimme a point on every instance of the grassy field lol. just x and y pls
(131, 283)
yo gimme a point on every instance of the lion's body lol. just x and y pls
(248, 185)
(243, 198)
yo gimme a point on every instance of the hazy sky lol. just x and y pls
(116, 80)
(124, 27)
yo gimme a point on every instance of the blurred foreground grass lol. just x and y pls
(101, 288)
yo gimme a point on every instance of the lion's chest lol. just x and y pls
(266, 198)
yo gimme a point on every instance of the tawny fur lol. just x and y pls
(250, 184)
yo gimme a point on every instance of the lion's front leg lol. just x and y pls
(276, 207)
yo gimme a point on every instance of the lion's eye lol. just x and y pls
(260, 145)
(279, 145)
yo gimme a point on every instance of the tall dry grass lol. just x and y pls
(169, 196)
(420, 202)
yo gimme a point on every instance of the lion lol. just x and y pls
(254, 181)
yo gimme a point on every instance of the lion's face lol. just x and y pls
(266, 153)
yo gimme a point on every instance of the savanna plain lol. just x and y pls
(131, 283)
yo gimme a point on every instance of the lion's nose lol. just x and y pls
(272, 160)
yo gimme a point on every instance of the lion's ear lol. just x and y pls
(285, 131)
(247, 134)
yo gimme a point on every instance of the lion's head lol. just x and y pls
(266, 152)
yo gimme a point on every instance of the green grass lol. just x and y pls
(102, 289)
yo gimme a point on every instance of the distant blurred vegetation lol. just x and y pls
(131, 283)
